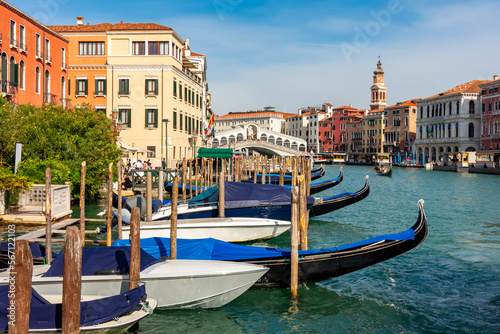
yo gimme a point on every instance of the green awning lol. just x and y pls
(215, 153)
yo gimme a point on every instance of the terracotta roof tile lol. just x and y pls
(409, 103)
(468, 87)
(109, 27)
(254, 115)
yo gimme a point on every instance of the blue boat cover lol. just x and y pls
(44, 315)
(213, 249)
(314, 184)
(37, 250)
(101, 258)
(241, 194)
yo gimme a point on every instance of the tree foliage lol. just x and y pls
(60, 138)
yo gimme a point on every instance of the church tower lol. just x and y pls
(378, 89)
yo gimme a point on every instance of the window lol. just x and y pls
(180, 91)
(471, 107)
(14, 75)
(174, 123)
(48, 58)
(175, 88)
(37, 80)
(21, 74)
(100, 87)
(185, 93)
(82, 87)
(180, 122)
(471, 130)
(158, 48)
(13, 42)
(151, 151)
(22, 39)
(63, 58)
(38, 47)
(151, 118)
(138, 48)
(123, 87)
(151, 86)
(124, 116)
(185, 122)
(91, 49)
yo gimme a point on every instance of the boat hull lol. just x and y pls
(225, 229)
(174, 284)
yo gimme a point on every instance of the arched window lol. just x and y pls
(215, 142)
(449, 107)
(223, 141)
(271, 139)
(22, 73)
(232, 139)
(287, 143)
(63, 91)
(471, 130)
(263, 137)
(37, 80)
(46, 87)
(279, 141)
(471, 107)
(458, 107)
(239, 137)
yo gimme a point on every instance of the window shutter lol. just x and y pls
(69, 87)
(14, 74)
(104, 86)
(155, 115)
(146, 122)
(129, 118)
(146, 87)
(126, 87)
(86, 87)
(96, 86)
(156, 86)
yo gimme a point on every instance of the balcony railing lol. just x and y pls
(66, 102)
(124, 92)
(14, 43)
(8, 87)
(50, 98)
(48, 59)
(39, 54)
(1, 38)
(23, 47)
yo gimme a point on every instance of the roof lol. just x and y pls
(345, 108)
(409, 103)
(468, 87)
(237, 115)
(101, 27)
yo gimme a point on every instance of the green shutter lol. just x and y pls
(175, 88)
(96, 86)
(86, 87)
(14, 74)
(129, 116)
(156, 86)
(104, 86)
(126, 87)
(69, 87)
(155, 115)
(146, 118)
(146, 87)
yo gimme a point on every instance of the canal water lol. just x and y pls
(450, 284)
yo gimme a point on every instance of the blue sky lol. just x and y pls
(293, 54)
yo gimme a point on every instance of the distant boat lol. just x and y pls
(174, 284)
(113, 314)
(383, 171)
(314, 265)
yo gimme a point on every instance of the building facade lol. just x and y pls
(448, 124)
(373, 127)
(268, 118)
(400, 127)
(144, 76)
(490, 115)
(34, 59)
(354, 135)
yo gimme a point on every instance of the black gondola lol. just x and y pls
(314, 265)
(339, 201)
(318, 187)
(384, 171)
(275, 178)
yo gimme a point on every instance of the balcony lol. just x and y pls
(49, 98)
(66, 102)
(23, 47)
(38, 55)
(64, 66)
(48, 59)
(8, 88)
(14, 44)
(1, 37)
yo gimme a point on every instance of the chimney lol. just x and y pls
(79, 20)
(495, 77)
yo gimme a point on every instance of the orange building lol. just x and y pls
(33, 59)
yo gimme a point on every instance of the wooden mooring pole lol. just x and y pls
(110, 204)
(120, 232)
(135, 248)
(48, 216)
(82, 200)
(294, 249)
(173, 218)
(72, 281)
(18, 312)
(303, 212)
(149, 196)
(222, 212)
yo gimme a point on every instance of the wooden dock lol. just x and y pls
(57, 228)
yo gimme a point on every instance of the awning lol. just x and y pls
(130, 149)
(215, 153)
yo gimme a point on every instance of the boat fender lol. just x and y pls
(108, 272)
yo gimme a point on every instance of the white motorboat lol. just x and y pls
(174, 284)
(230, 229)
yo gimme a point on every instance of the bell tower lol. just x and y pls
(378, 89)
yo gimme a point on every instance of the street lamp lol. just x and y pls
(166, 120)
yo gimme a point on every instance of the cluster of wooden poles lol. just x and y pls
(74, 239)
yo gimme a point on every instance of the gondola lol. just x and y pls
(275, 178)
(257, 200)
(314, 265)
(329, 204)
(320, 186)
(383, 171)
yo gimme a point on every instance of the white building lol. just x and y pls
(448, 124)
(305, 126)
(268, 119)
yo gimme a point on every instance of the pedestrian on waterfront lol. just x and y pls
(163, 164)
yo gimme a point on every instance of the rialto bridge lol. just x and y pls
(251, 137)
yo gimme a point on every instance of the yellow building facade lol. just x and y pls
(145, 77)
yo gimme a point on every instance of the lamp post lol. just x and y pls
(166, 120)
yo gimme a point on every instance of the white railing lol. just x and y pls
(34, 200)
